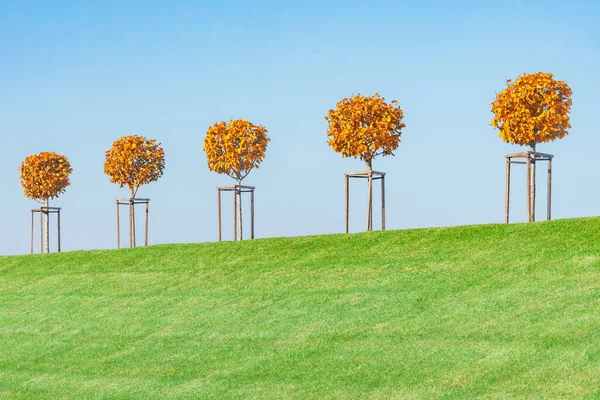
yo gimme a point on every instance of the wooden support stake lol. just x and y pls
(383, 202)
(32, 231)
(58, 223)
(507, 194)
(549, 189)
(118, 227)
(146, 239)
(133, 222)
(41, 232)
(130, 237)
(235, 229)
(252, 214)
(240, 215)
(370, 202)
(533, 165)
(347, 200)
(528, 189)
(219, 211)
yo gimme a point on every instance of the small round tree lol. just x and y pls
(45, 176)
(364, 128)
(134, 161)
(235, 149)
(533, 109)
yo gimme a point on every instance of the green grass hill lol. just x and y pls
(491, 311)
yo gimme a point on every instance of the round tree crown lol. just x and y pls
(133, 161)
(235, 148)
(532, 109)
(45, 175)
(365, 127)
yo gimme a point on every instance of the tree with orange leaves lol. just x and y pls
(133, 161)
(234, 149)
(45, 176)
(365, 127)
(533, 109)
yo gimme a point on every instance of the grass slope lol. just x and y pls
(490, 311)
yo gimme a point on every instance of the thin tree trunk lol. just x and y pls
(532, 185)
(131, 220)
(370, 198)
(238, 193)
(47, 227)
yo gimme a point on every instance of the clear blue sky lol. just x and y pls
(75, 76)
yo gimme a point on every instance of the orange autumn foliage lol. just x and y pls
(235, 148)
(133, 161)
(365, 127)
(532, 109)
(45, 175)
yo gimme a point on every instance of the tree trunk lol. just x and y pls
(370, 197)
(238, 193)
(131, 220)
(532, 186)
(47, 227)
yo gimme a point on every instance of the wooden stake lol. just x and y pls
(240, 219)
(118, 227)
(549, 189)
(532, 165)
(41, 232)
(529, 188)
(219, 211)
(235, 209)
(130, 233)
(252, 214)
(347, 200)
(507, 195)
(370, 201)
(133, 223)
(383, 202)
(58, 223)
(147, 206)
(32, 231)
(47, 226)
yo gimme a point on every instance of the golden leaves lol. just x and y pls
(45, 175)
(235, 148)
(133, 161)
(532, 109)
(365, 127)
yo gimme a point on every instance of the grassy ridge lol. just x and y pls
(491, 311)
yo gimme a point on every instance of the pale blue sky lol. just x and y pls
(74, 77)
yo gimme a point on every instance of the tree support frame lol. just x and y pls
(237, 190)
(530, 159)
(373, 175)
(44, 211)
(131, 202)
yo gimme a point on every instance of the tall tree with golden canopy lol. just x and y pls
(365, 127)
(45, 176)
(533, 109)
(234, 149)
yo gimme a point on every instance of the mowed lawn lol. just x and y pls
(493, 311)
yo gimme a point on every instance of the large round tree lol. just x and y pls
(45, 176)
(235, 148)
(365, 127)
(533, 109)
